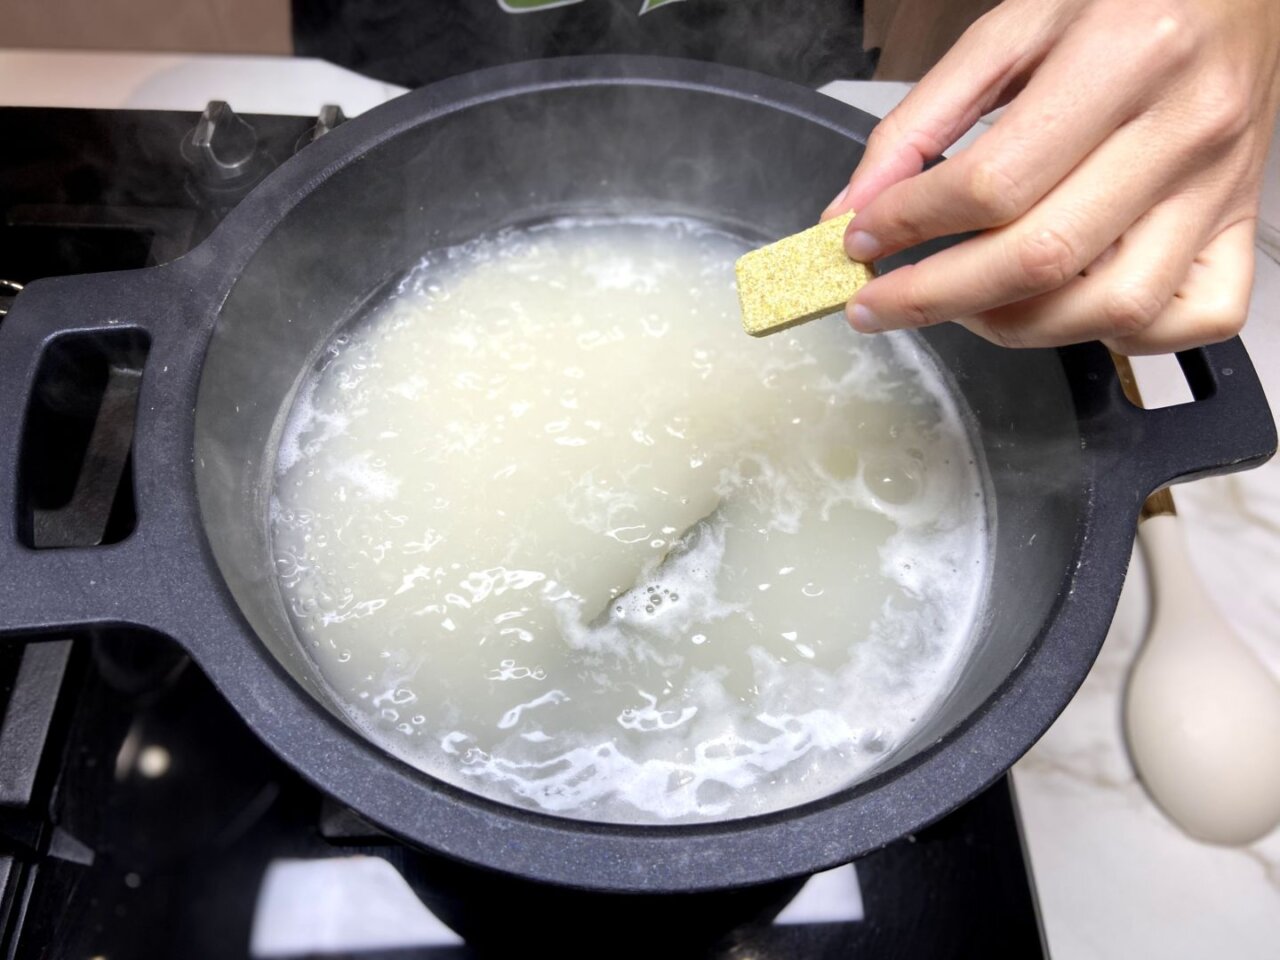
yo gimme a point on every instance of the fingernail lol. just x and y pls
(862, 246)
(863, 319)
(838, 199)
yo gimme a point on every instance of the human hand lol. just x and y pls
(1117, 194)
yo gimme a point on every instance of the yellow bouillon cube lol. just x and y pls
(799, 278)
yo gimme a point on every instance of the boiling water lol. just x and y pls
(556, 531)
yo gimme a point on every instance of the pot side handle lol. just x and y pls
(117, 320)
(1227, 427)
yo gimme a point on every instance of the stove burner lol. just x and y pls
(222, 146)
(330, 116)
(8, 290)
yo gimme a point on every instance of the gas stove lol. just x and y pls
(139, 817)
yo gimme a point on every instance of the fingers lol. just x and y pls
(1210, 305)
(1111, 199)
(1077, 97)
(988, 60)
(1042, 251)
(1149, 296)
(1121, 294)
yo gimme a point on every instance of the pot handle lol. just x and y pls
(1226, 428)
(60, 589)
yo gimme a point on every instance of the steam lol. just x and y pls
(412, 43)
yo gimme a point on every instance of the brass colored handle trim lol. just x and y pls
(1160, 503)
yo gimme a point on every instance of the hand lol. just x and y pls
(1117, 194)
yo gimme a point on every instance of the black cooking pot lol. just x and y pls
(228, 330)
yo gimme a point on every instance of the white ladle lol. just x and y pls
(1202, 714)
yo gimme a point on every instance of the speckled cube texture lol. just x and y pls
(799, 278)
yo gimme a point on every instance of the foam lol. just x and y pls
(602, 555)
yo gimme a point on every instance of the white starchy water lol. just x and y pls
(556, 531)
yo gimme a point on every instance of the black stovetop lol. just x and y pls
(139, 817)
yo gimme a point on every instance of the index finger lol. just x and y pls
(974, 76)
(1078, 97)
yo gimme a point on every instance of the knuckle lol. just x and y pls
(883, 135)
(894, 220)
(985, 26)
(916, 310)
(1218, 322)
(915, 314)
(1047, 259)
(997, 197)
(1131, 309)
(1223, 106)
(1161, 35)
(1004, 336)
(1173, 33)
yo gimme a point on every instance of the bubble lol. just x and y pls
(893, 482)
(678, 779)
(714, 795)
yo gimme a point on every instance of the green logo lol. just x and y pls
(533, 6)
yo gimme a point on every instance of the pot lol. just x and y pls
(227, 330)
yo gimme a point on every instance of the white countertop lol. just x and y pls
(1115, 879)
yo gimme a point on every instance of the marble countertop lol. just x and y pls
(1115, 879)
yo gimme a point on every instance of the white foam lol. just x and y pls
(554, 530)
